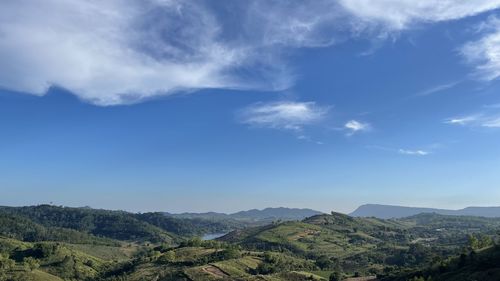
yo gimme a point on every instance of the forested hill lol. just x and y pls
(118, 225)
(111, 224)
(366, 244)
(21, 228)
(57, 243)
(389, 211)
(482, 264)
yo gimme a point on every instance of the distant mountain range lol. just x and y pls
(389, 211)
(254, 215)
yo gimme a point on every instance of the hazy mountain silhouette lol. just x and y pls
(389, 211)
(266, 214)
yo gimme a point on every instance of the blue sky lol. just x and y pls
(230, 105)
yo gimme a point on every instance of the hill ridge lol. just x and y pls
(394, 211)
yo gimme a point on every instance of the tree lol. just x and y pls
(68, 266)
(473, 242)
(231, 253)
(335, 276)
(6, 264)
(167, 257)
(266, 268)
(31, 263)
(485, 241)
(324, 262)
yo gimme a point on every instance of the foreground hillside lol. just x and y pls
(368, 245)
(482, 264)
(56, 243)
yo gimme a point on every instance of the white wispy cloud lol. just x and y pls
(297, 23)
(402, 14)
(437, 89)
(464, 120)
(413, 152)
(356, 126)
(484, 119)
(286, 115)
(485, 52)
(125, 51)
(112, 52)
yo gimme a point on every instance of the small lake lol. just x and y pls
(212, 236)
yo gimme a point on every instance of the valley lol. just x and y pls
(60, 243)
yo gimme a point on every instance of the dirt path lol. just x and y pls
(367, 278)
(212, 270)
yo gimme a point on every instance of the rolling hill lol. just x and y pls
(482, 264)
(110, 224)
(119, 225)
(57, 243)
(366, 244)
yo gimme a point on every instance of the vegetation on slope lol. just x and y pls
(23, 229)
(481, 264)
(155, 227)
(81, 244)
(112, 224)
(367, 245)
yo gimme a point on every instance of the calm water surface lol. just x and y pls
(212, 236)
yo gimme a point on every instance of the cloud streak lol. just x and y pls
(403, 14)
(486, 120)
(464, 120)
(413, 152)
(437, 89)
(356, 126)
(285, 115)
(408, 152)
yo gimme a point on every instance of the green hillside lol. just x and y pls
(83, 244)
(366, 245)
(23, 229)
(154, 227)
(483, 264)
(46, 261)
(112, 224)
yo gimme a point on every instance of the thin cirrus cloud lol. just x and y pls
(285, 115)
(463, 120)
(402, 14)
(492, 122)
(356, 126)
(485, 52)
(437, 89)
(413, 152)
(485, 120)
(402, 151)
(124, 51)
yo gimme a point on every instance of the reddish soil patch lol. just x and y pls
(212, 270)
(368, 278)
